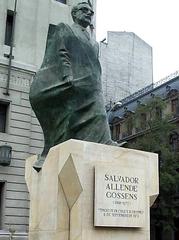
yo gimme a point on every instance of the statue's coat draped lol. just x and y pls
(66, 109)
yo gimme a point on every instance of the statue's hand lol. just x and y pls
(68, 80)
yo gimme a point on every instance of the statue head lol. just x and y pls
(82, 14)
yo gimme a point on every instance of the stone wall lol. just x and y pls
(24, 135)
(126, 62)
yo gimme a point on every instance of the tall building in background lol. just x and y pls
(27, 23)
(127, 66)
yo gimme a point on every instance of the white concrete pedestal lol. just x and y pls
(62, 194)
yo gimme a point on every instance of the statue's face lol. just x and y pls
(83, 15)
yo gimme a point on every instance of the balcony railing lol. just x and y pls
(149, 87)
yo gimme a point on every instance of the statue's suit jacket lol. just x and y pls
(70, 109)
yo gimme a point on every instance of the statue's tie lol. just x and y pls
(87, 35)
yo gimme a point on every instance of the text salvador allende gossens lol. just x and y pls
(121, 187)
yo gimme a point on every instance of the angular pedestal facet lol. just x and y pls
(63, 193)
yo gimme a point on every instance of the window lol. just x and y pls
(2, 191)
(115, 128)
(116, 132)
(176, 229)
(129, 127)
(3, 116)
(158, 113)
(143, 121)
(174, 140)
(175, 105)
(9, 24)
(62, 1)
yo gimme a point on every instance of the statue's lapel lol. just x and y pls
(82, 35)
(84, 39)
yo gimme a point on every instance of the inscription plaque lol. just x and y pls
(119, 196)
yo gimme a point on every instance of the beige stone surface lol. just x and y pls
(120, 197)
(62, 194)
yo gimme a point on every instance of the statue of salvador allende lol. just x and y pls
(66, 93)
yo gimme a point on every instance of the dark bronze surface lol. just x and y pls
(66, 93)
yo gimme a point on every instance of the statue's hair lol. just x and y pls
(76, 8)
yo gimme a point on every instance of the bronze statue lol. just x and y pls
(66, 93)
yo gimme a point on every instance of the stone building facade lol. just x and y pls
(127, 65)
(19, 127)
(167, 89)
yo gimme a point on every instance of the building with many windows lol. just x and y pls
(167, 89)
(23, 34)
(149, 120)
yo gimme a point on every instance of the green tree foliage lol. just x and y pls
(156, 138)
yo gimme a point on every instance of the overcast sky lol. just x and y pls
(155, 21)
